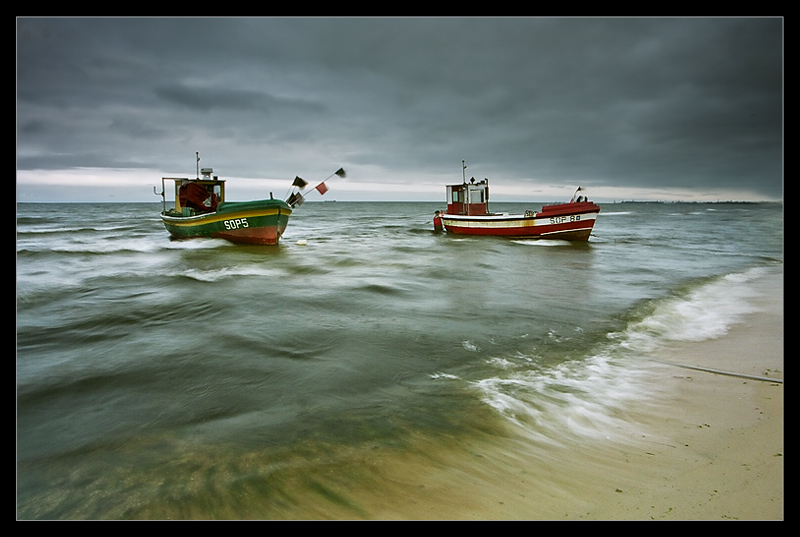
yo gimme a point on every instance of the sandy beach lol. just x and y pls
(716, 452)
(725, 456)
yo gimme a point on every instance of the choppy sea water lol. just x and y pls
(201, 379)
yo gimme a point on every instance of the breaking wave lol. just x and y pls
(590, 394)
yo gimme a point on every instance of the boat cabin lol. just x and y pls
(468, 198)
(197, 196)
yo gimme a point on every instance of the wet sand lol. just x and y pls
(712, 450)
(722, 457)
(708, 446)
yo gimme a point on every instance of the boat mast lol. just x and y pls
(464, 187)
(197, 154)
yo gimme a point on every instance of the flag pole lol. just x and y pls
(298, 182)
(340, 172)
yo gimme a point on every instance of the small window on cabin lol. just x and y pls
(476, 196)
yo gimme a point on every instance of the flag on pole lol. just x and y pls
(321, 188)
(295, 200)
(299, 182)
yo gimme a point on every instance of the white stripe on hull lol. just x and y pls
(571, 227)
(509, 222)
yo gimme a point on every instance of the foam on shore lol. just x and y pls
(715, 452)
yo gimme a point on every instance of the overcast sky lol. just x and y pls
(654, 108)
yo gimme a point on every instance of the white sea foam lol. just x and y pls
(196, 244)
(440, 375)
(542, 242)
(103, 246)
(583, 399)
(706, 312)
(110, 245)
(470, 346)
(590, 396)
(214, 275)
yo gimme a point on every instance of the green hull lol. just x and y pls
(249, 222)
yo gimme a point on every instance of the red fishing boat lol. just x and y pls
(468, 213)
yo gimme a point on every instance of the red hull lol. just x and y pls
(560, 232)
(264, 235)
(568, 221)
(468, 214)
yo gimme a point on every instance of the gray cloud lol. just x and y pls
(205, 98)
(661, 103)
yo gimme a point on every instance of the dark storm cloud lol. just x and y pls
(665, 103)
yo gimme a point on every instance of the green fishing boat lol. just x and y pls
(201, 210)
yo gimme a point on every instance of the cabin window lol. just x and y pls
(476, 196)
